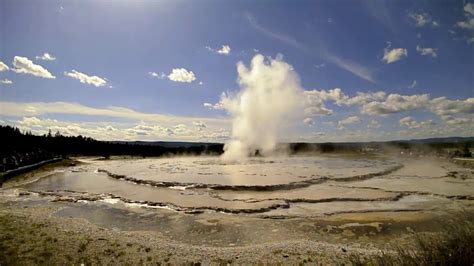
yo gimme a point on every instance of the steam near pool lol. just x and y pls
(270, 93)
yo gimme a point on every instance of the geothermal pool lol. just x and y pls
(280, 187)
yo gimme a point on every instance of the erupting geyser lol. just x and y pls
(270, 93)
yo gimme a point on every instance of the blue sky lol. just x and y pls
(105, 53)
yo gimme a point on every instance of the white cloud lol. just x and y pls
(393, 55)
(427, 51)
(381, 104)
(411, 123)
(443, 106)
(419, 19)
(6, 81)
(25, 66)
(317, 109)
(470, 40)
(314, 101)
(30, 109)
(30, 121)
(422, 19)
(149, 131)
(456, 116)
(46, 57)
(86, 79)
(177, 75)
(182, 75)
(131, 125)
(225, 50)
(413, 84)
(3, 67)
(178, 129)
(114, 131)
(308, 121)
(217, 106)
(467, 24)
(438, 131)
(160, 75)
(373, 124)
(469, 8)
(110, 128)
(348, 121)
(395, 103)
(200, 125)
(469, 13)
(362, 98)
(450, 120)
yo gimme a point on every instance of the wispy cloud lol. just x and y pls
(322, 65)
(345, 64)
(353, 67)
(275, 35)
(160, 75)
(379, 10)
(45, 108)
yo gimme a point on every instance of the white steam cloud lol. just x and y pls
(270, 93)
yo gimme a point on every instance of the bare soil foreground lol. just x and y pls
(179, 211)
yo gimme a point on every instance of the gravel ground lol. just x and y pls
(32, 235)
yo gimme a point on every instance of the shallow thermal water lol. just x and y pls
(263, 187)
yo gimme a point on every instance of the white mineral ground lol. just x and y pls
(201, 209)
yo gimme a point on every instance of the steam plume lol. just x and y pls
(270, 93)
